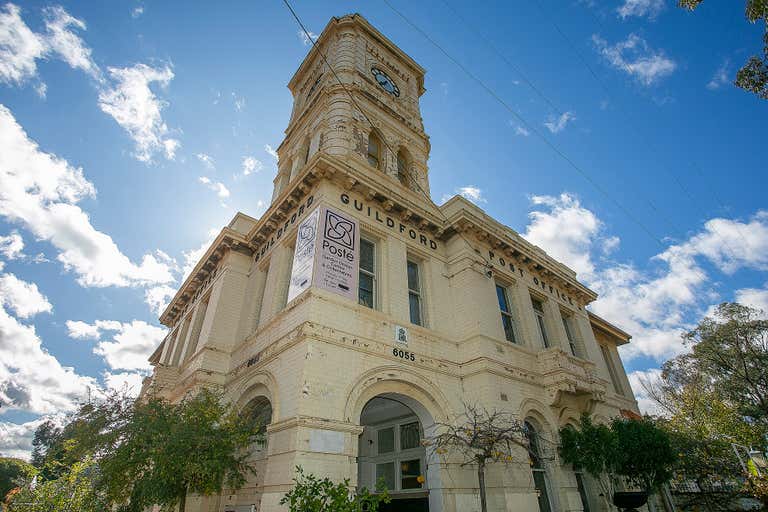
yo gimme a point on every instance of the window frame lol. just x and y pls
(541, 320)
(398, 455)
(377, 156)
(402, 173)
(618, 386)
(371, 274)
(538, 467)
(508, 314)
(418, 293)
(569, 334)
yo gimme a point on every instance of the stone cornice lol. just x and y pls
(228, 239)
(464, 217)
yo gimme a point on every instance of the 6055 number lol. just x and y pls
(403, 354)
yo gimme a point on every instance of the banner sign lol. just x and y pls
(326, 254)
(304, 256)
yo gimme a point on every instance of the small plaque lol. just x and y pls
(401, 335)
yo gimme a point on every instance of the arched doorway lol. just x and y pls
(391, 449)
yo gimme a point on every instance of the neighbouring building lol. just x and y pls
(356, 313)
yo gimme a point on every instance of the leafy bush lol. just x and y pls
(311, 494)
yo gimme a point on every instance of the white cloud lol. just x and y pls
(565, 229)
(20, 47)
(12, 245)
(124, 382)
(67, 44)
(239, 102)
(41, 192)
(634, 57)
(206, 160)
(158, 297)
(270, 151)
(137, 11)
(16, 438)
(667, 297)
(520, 130)
(251, 165)
(306, 40)
(558, 124)
(720, 78)
(469, 192)
(753, 297)
(640, 8)
(31, 379)
(217, 186)
(131, 344)
(136, 108)
(22, 297)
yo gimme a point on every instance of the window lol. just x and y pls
(538, 308)
(507, 321)
(399, 456)
(414, 293)
(306, 151)
(617, 387)
(402, 168)
(569, 334)
(537, 468)
(374, 150)
(366, 292)
(582, 491)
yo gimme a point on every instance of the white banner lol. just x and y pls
(304, 255)
(338, 248)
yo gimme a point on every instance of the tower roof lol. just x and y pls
(358, 20)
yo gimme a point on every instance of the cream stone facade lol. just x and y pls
(453, 308)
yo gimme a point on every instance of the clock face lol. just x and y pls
(385, 82)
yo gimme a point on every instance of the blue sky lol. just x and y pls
(130, 131)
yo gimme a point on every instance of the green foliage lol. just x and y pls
(12, 473)
(75, 489)
(635, 451)
(151, 451)
(312, 494)
(753, 76)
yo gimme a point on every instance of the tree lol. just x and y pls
(46, 435)
(311, 494)
(12, 472)
(481, 437)
(753, 76)
(633, 451)
(151, 451)
(75, 489)
(714, 398)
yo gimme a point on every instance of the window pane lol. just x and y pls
(543, 331)
(373, 151)
(409, 436)
(540, 483)
(415, 306)
(366, 255)
(501, 294)
(365, 297)
(387, 440)
(537, 305)
(413, 276)
(509, 330)
(582, 492)
(410, 470)
(386, 471)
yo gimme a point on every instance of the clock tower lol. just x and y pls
(356, 97)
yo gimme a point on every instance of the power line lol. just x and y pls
(530, 126)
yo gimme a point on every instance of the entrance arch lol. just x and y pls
(391, 397)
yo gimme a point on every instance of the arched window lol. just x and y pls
(402, 167)
(537, 467)
(305, 151)
(374, 150)
(259, 412)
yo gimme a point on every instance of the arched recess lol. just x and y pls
(404, 162)
(259, 384)
(417, 394)
(375, 149)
